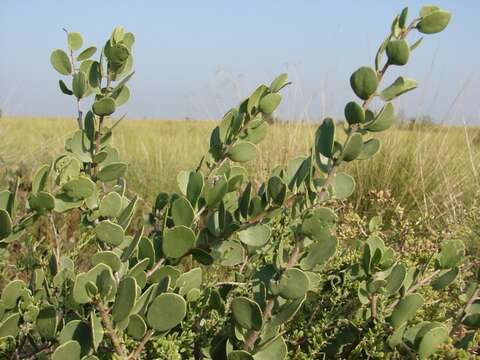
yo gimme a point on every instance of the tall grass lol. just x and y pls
(428, 170)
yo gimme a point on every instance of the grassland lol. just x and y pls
(432, 169)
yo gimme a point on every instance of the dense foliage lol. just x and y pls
(226, 268)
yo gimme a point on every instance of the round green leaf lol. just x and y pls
(279, 83)
(354, 113)
(110, 233)
(242, 151)
(274, 350)
(178, 241)
(370, 148)
(80, 188)
(353, 148)
(269, 103)
(97, 331)
(75, 41)
(255, 132)
(319, 252)
(405, 310)
(5, 224)
(121, 95)
(136, 327)
(445, 279)
(230, 253)
(364, 82)
(125, 299)
(451, 254)
(215, 193)
(396, 279)
(61, 62)
(108, 258)
(166, 311)
(294, 284)
(247, 313)
(12, 292)
(79, 84)
(104, 107)
(325, 137)
(112, 171)
(398, 52)
(400, 86)
(255, 236)
(67, 351)
(343, 185)
(384, 119)
(431, 341)
(46, 323)
(9, 326)
(182, 212)
(472, 316)
(64, 88)
(40, 178)
(434, 22)
(319, 224)
(78, 332)
(87, 53)
(111, 205)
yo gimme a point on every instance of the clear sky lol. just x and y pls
(198, 58)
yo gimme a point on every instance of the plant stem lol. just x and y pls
(373, 306)
(57, 241)
(475, 296)
(146, 338)
(80, 115)
(155, 268)
(118, 345)
(267, 314)
(414, 288)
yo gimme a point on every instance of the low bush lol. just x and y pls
(226, 268)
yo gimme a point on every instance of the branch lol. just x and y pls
(415, 287)
(267, 314)
(57, 241)
(155, 268)
(146, 338)
(107, 323)
(470, 301)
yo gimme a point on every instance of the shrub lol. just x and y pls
(221, 267)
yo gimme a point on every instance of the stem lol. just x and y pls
(231, 283)
(155, 268)
(373, 306)
(475, 296)
(57, 241)
(146, 338)
(107, 323)
(415, 288)
(80, 115)
(267, 314)
(97, 141)
(382, 72)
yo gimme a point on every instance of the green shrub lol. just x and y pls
(222, 267)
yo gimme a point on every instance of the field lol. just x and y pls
(429, 171)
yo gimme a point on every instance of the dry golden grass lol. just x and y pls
(432, 170)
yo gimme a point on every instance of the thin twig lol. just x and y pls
(146, 338)
(415, 287)
(57, 241)
(473, 298)
(155, 268)
(107, 323)
(267, 314)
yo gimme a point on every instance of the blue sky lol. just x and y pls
(198, 58)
